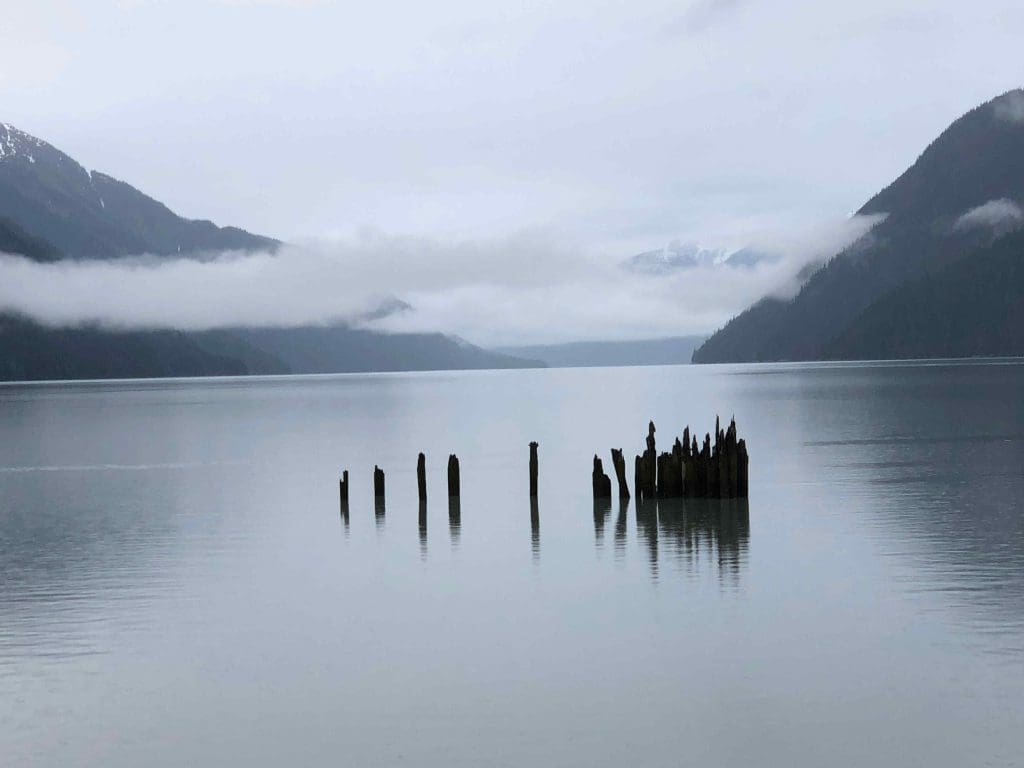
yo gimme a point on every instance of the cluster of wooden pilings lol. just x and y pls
(689, 470)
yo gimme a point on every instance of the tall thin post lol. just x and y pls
(421, 476)
(533, 470)
(453, 476)
(343, 490)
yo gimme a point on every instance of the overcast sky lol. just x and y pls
(622, 123)
(517, 134)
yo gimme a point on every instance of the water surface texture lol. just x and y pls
(177, 586)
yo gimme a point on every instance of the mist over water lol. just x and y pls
(520, 288)
(177, 585)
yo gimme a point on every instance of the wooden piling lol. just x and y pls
(742, 464)
(602, 483)
(619, 465)
(453, 476)
(378, 482)
(533, 470)
(647, 468)
(421, 476)
(343, 489)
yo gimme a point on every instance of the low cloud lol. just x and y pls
(999, 214)
(1010, 107)
(528, 288)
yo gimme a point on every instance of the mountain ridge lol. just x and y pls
(977, 160)
(89, 214)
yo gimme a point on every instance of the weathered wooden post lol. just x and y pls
(602, 483)
(650, 465)
(712, 469)
(742, 466)
(421, 477)
(646, 480)
(378, 482)
(619, 464)
(453, 476)
(533, 470)
(732, 460)
(343, 490)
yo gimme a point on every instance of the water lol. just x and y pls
(177, 586)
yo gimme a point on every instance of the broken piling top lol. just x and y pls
(602, 483)
(453, 476)
(421, 476)
(533, 469)
(619, 465)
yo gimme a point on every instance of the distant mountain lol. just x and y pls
(84, 214)
(595, 354)
(679, 256)
(31, 352)
(957, 199)
(338, 349)
(673, 257)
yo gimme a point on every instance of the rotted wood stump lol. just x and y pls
(602, 483)
(619, 465)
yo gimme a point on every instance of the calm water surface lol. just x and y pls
(177, 586)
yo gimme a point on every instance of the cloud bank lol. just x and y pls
(1010, 107)
(995, 214)
(526, 288)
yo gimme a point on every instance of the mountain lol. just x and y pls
(595, 354)
(974, 307)
(51, 209)
(339, 349)
(960, 196)
(87, 214)
(14, 239)
(31, 352)
(677, 256)
(673, 257)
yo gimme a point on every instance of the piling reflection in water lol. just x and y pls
(423, 528)
(647, 530)
(620, 527)
(378, 511)
(454, 519)
(693, 530)
(535, 527)
(602, 511)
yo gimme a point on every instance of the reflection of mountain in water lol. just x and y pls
(686, 532)
(935, 455)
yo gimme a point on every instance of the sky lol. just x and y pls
(577, 127)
